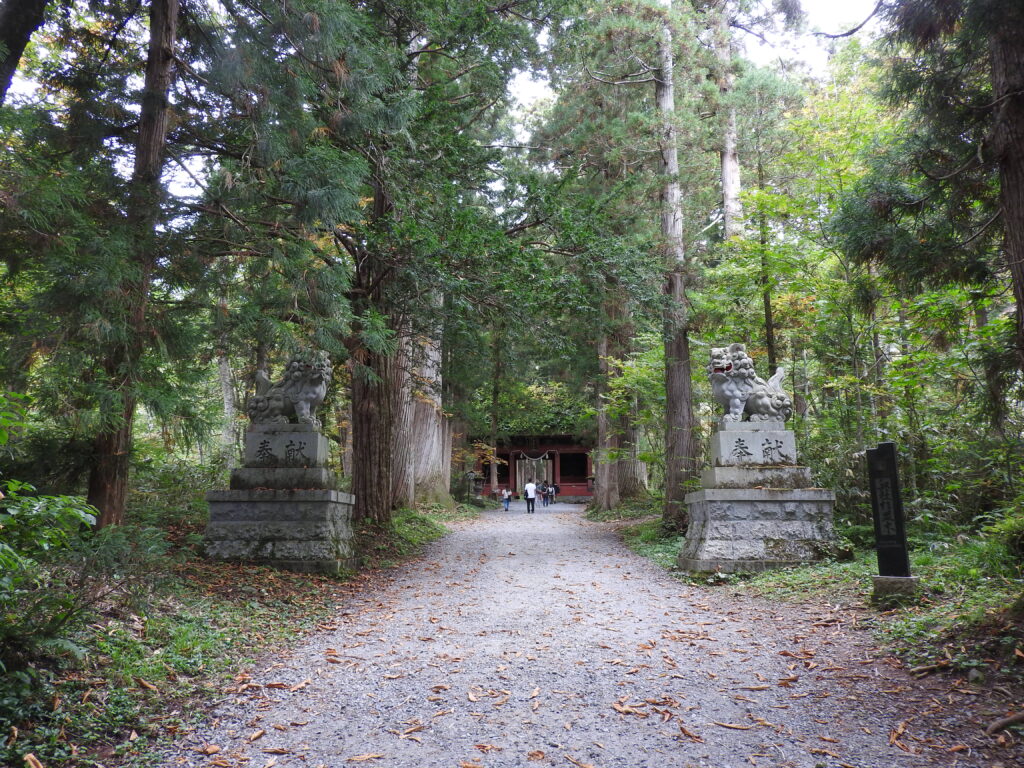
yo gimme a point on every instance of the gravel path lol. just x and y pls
(540, 640)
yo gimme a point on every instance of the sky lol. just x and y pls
(829, 16)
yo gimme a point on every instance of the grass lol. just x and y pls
(629, 509)
(651, 540)
(149, 670)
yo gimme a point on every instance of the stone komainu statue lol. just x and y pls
(737, 387)
(297, 395)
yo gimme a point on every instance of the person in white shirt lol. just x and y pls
(530, 492)
(506, 497)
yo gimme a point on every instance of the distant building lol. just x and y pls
(561, 459)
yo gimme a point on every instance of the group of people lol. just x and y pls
(547, 492)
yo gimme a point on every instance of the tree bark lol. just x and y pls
(732, 209)
(108, 477)
(632, 471)
(680, 429)
(228, 435)
(19, 19)
(497, 365)
(430, 424)
(404, 439)
(1007, 54)
(766, 280)
(606, 475)
(371, 438)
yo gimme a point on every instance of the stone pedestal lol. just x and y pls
(757, 509)
(886, 588)
(283, 509)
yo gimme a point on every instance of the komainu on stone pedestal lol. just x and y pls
(283, 508)
(756, 508)
(743, 393)
(297, 395)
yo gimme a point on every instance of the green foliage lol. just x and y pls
(542, 408)
(631, 509)
(31, 525)
(12, 415)
(45, 597)
(651, 540)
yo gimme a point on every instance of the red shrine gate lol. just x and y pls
(561, 459)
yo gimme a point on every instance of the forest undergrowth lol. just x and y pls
(136, 667)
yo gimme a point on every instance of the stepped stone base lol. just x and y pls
(756, 477)
(742, 530)
(309, 531)
(246, 478)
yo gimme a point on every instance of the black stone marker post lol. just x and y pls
(887, 509)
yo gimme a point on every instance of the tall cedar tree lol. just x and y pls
(947, 204)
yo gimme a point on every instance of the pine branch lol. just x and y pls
(649, 79)
(856, 29)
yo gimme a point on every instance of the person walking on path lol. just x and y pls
(553, 491)
(530, 492)
(544, 493)
(506, 498)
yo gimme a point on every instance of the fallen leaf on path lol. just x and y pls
(819, 751)
(897, 732)
(300, 686)
(270, 763)
(297, 723)
(485, 748)
(535, 756)
(623, 708)
(276, 751)
(534, 693)
(690, 734)
(754, 687)
(209, 749)
(256, 734)
(275, 685)
(734, 726)
(364, 758)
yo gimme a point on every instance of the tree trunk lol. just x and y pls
(19, 19)
(632, 471)
(496, 374)
(228, 433)
(404, 439)
(732, 210)
(372, 427)
(108, 477)
(606, 475)
(680, 429)
(766, 281)
(430, 425)
(1007, 52)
